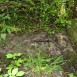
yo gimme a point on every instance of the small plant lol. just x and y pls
(13, 56)
(3, 36)
(12, 68)
(14, 73)
(16, 61)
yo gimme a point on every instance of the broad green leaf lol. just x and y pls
(9, 56)
(19, 54)
(9, 71)
(20, 60)
(14, 71)
(0, 75)
(14, 55)
(20, 73)
(0, 69)
(6, 75)
(3, 36)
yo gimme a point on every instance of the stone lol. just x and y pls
(57, 44)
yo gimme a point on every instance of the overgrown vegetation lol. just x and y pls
(31, 16)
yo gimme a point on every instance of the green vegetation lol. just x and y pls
(14, 73)
(72, 31)
(30, 16)
(71, 75)
(37, 64)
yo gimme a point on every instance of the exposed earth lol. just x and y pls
(57, 44)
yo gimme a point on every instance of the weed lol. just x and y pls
(34, 63)
(14, 73)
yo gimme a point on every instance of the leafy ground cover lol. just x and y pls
(32, 15)
(36, 64)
